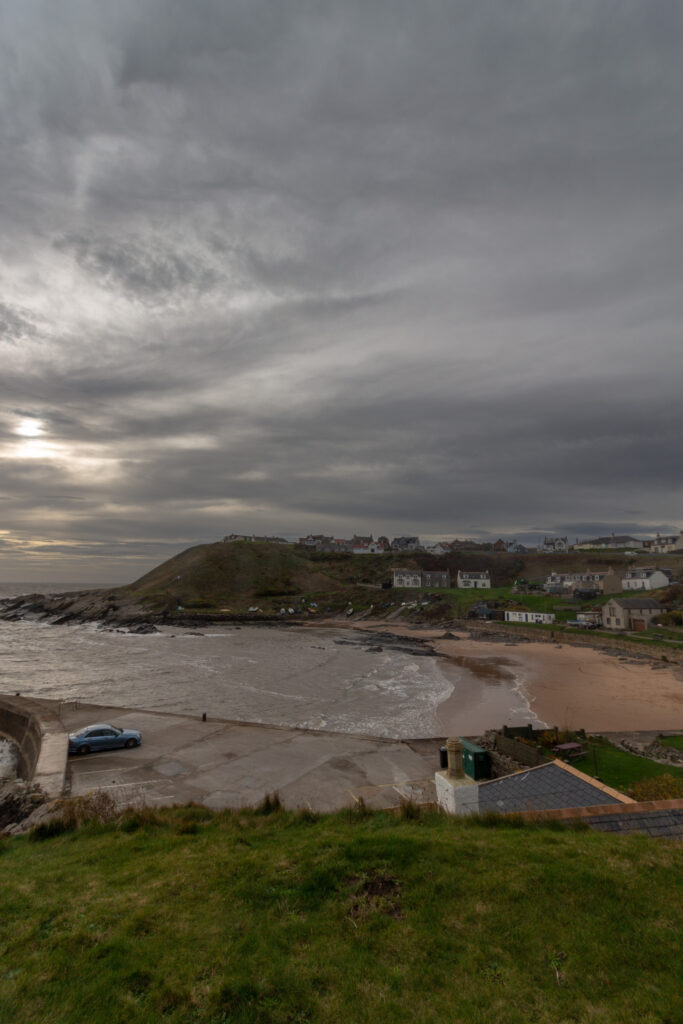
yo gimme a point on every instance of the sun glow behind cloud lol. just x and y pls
(78, 462)
(29, 427)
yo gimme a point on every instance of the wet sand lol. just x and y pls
(557, 684)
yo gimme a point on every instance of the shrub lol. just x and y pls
(661, 787)
(269, 805)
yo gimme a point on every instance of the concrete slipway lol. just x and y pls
(235, 764)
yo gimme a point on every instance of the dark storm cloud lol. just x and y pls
(381, 266)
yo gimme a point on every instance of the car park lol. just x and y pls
(103, 737)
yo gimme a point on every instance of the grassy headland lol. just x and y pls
(261, 581)
(242, 574)
(187, 916)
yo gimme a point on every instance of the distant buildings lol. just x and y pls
(417, 578)
(405, 544)
(535, 617)
(252, 538)
(407, 578)
(474, 580)
(553, 545)
(564, 582)
(660, 545)
(613, 542)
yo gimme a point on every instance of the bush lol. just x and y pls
(661, 787)
(269, 805)
(73, 812)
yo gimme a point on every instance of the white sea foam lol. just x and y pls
(8, 759)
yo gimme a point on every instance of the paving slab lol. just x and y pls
(235, 764)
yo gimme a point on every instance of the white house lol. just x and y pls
(542, 617)
(474, 580)
(407, 578)
(649, 578)
(552, 545)
(416, 578)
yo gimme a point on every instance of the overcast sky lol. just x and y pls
(365, 266)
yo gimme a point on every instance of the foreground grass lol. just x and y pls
(184, 916)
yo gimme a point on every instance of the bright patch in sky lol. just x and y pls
(30, 428)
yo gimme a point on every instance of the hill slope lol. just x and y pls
(185, 916)
(219, 575)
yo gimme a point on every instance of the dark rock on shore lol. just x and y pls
(18, 801)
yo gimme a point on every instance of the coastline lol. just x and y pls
(564, 685)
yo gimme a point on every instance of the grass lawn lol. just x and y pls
(672, 741)
(193, 918)
(619, 768)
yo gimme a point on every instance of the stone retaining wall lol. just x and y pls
(521, 752)
(40, 739)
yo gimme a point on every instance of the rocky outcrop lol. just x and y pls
(77, 606)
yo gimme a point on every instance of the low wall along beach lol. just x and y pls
(40, 739)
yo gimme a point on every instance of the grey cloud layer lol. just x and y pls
(284, 268)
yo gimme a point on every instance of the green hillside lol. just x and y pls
(215, 576)
(232, 577)
(191, 917)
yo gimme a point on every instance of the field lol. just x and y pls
(194, 918)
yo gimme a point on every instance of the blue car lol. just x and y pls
(103, 737)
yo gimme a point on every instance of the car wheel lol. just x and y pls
(85, 749)
(131, 743)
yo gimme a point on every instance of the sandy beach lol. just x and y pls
(563, 685)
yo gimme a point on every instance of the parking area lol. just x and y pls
(234, 764)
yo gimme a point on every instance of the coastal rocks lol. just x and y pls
(19, 801)
(74, 607)
(416, 647)
(654, 751)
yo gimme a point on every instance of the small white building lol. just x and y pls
(533, 617)
(474, 580)
(407, 578)
(553, 545)
(416, 578)
(644, 579)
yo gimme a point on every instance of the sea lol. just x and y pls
(313, 677)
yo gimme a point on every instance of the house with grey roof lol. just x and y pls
(630, 613)
(424, 578)
(645, 578)
(551, 786)
(474, 580)
(407, 578)
(406, 544)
